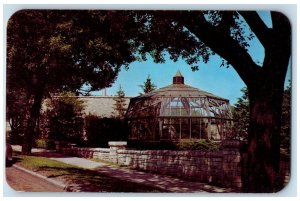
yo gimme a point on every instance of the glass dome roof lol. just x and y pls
(179, 100)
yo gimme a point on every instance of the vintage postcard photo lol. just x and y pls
(148, 101)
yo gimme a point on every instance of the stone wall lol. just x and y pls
(192, 165)
(97, 153)
(221, 168)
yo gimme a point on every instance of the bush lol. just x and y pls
(152, 145)
(99, 131)
(63, 120)
(198, 145)
(185, 145)
(44, 144)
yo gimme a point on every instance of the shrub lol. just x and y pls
(185, 145)
(63, 120)
(152, 145)
(44, 144)
(198, 145)
(99, 131)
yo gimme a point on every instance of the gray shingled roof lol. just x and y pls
(100, 105)
(96, 105)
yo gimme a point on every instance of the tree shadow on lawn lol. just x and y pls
(48, 154)
(82, 180)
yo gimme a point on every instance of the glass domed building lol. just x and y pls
(176, 112)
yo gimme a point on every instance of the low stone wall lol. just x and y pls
(97, 153)
(193, 165)
(216, 167)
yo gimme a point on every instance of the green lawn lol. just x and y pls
(79, 179)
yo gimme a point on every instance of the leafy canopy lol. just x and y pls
(68, 49)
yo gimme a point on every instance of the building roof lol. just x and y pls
(178, 100)
(179, 89)
(178, 74)
(102, 106)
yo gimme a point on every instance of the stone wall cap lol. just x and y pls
(117, 143)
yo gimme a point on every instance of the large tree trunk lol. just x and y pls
(32, 121)
(265, 85)
(263, 155)
(266, 95)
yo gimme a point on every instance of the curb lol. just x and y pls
(52, 181)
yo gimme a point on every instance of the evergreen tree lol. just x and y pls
(64, 118)
(120, 105)
(241, 115)
(148, 86)
(285, 135)
(241, 112)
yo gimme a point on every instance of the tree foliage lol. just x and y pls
(148, 86)
(241, 116)
(16, 114)
(49, 51)
(101, 130)
(68, 49)
(285, 135)
(120, 104)
(64, 119)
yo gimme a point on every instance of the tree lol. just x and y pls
(241, 116)
(120, 104)
(49, 51)
(16, 113)
(285, 135)
(195, 35)
(64, 116)
(148, 86)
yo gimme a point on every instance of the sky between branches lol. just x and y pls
(210, 77)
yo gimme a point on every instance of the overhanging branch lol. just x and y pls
(256, 24)
(221, 43)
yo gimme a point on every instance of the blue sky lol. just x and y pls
(221, 81)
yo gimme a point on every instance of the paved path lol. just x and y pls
(164, 182)
(24, 182)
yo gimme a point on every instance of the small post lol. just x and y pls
(113, 151)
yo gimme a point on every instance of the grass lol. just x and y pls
(79, 179)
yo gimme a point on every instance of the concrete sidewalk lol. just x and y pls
(168, 183)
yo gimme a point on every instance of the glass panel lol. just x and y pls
(171, 129)
(185, 128)
(185, 111)
(195, 129)
(133, 132)
(165, 107)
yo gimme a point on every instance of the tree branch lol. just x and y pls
(221, 43)
(257, 26)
